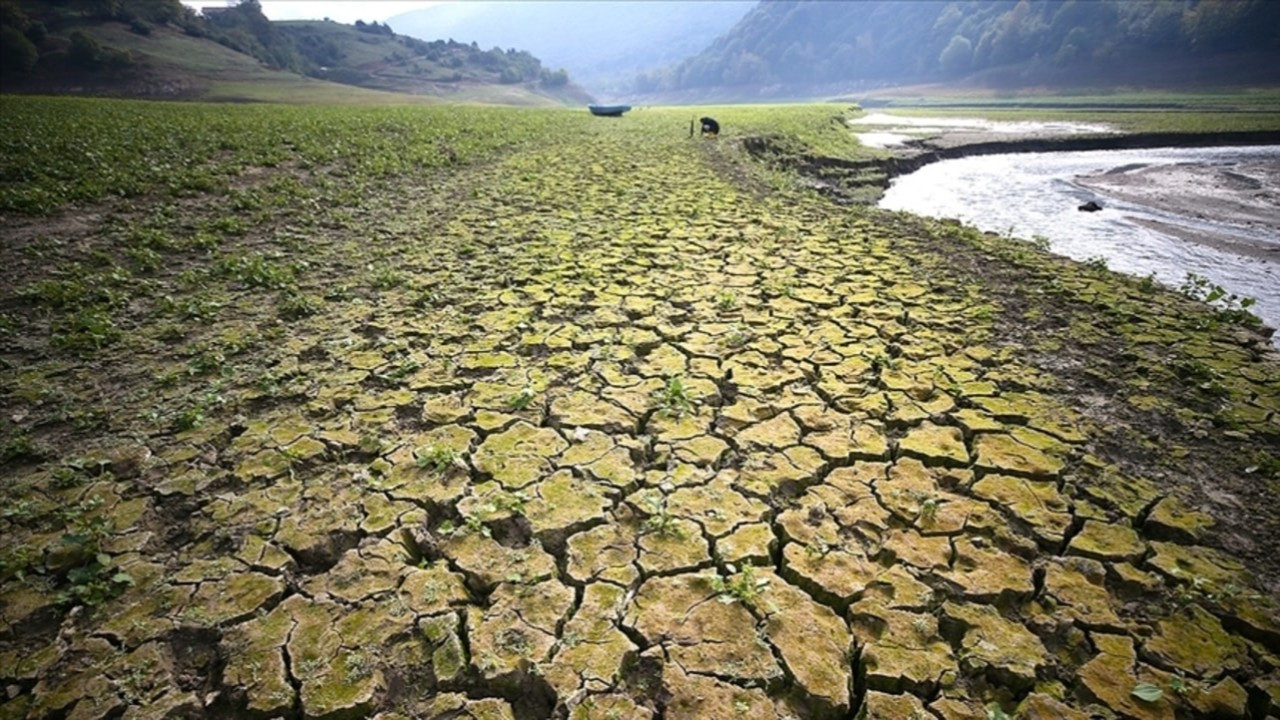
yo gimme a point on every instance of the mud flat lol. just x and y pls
(1245, 194)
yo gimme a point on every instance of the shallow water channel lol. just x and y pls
(1030, 194)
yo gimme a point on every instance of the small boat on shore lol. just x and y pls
(608, 110)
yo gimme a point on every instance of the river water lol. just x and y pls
(1030, 194)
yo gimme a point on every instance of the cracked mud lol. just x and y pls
(591, 427)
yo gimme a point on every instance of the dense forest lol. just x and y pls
(809, 43)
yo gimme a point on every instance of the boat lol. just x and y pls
(608, 110)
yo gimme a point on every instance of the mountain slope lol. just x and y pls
(806, 44)
(601, 44)
(373, 56)
(160, 49)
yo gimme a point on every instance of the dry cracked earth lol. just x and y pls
(620, 436)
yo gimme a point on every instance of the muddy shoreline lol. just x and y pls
(1240, 194)
(848, 180)
(931, 151)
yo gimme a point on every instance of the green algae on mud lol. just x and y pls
(919, 439)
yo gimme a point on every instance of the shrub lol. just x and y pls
(37, 32)
(17, 53)
(84, 50)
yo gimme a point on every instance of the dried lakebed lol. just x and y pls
(598, 426)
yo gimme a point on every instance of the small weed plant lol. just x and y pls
(1231, 308)
(675, 399)
(742, 587)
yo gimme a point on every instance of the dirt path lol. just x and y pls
(593, 431)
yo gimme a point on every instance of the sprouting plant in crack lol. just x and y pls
(726, 301)
(660, 520)
(475, 524)
(507, 502)
(929, 510)
(310, 667)
(436, 459)
(1182, 687)
(571, 640)
(1147, 692)
(136, 680)
(521, 400)
(515, 642)
(1203, 376)
(358, 666)
(817, 549)
(881, 362)
(98, 579)
(423, 299)
(738, 337)
(294, 305)
(674, 399)
(995, 712)
(404, 369)
(1201, 589)
(741, 587)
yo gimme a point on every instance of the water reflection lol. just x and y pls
(1035, 194)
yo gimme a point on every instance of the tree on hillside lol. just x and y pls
(18, 51)
(246, 29)
(957, 56)
(553, 79)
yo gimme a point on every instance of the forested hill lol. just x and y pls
(163, 48)
(1006, 41)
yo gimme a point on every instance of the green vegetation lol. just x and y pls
(743, 587)
(674, 399)
(162, 47)
(187, 150)
(1147, 692)
(1155, 112)
(437, 459)
(1231, 307)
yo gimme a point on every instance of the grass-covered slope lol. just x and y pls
(239, 55)
(374, 57)
(472, 412)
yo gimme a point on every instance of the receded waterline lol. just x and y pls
(1037, 194)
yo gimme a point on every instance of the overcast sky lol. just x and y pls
(343, 12)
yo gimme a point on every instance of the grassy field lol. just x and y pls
(446, 411)
(1234, 110)
(1230, 99)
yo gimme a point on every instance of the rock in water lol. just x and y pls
(1091, 206)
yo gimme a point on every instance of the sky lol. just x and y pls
(343, 12)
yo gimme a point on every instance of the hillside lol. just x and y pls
(373, 56)
(603, 45)
(161, 49)
(785, 47)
